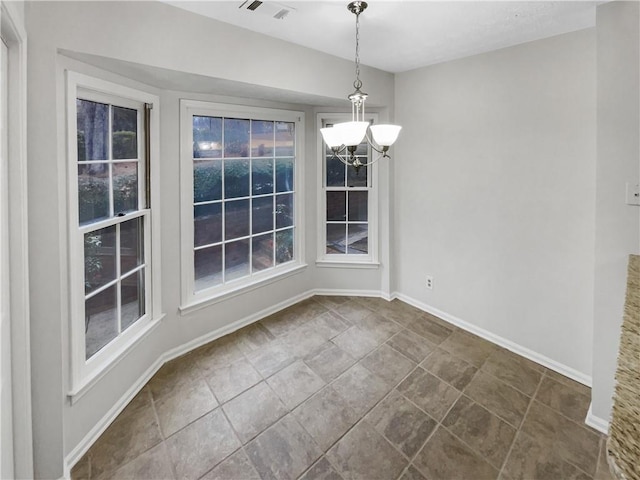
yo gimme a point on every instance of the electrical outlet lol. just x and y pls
(429, 282)
(632, 194)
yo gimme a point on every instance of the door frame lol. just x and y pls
(14, 35)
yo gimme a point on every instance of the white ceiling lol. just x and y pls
(402, 35)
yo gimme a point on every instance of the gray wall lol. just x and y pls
(495, 179)
(617, 224)
(170, 40)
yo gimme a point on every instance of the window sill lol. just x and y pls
(195, 305)
(85, 385)
(347, 263)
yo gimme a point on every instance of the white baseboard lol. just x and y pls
(89, 439)
(348, 293)
(595, 422)
(498, 340)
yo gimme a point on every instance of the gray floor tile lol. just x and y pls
(326, 416)
(295, 383)
(329, 361)
(184, 405)
(364, 454)
(360, 388)
(411, 345)
(236, 466)
(429, 393)
(378, 327)
(514, 370)
(199, 447)
(355, 342)
(322, 470)
(402, 423)
(572, 403)
(388, 364)
(429, 329)
(229, 381)
(270, 358)
(498, 397)
(449, 368)
(470, 348)
(153, 464)
(283, 451)
(254, 410)
(412, 473)
(444, 457)
(481, 430)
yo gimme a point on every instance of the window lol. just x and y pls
(240, 197)
(348, 229)
(110, 164)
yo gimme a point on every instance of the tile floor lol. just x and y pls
(351, 388)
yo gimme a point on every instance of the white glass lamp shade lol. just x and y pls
(385, 135)
(332, 137)
(352, 133)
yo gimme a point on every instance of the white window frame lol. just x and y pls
(340, 260)
(190, 299)
(84, 373)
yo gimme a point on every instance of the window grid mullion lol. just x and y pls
(223, 218)
(110, 160)
(250, 198)
(119, 280)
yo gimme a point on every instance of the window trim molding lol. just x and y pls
(189, 300)
(323, 259)
(85, 373)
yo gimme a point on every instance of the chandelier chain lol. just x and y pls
(357, 83)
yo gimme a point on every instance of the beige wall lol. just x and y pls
(617, 224)
(494, 184)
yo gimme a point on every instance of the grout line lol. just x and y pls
(519, 429)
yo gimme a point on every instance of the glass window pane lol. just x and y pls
(262, 214)
(236, 178)
(132, 295)
(358, 206)
(99, 258)
(93, 130)
(207, 224)
(285, 136)
(358, 239)
(101, 320)
(284, 175)
(236, 260)
(357, 178)
(125, 133)
(93, 192)
(336, 236)
(207, 180)
(336, 206)
(207, 137)
(284, 210)
(236, 219)
(131, 245)
(236, 137)
(335, 172)
(208, 267)
(284, 246)
(125, 187)
(261, 138)
(262, 252)
(262, 176)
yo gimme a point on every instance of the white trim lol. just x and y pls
(85, 373)
(15, 36)
(346, 264)
(501, 341)
(371, 260)
(597, 423)
(242, 289)
(190, 299)
(99, 428)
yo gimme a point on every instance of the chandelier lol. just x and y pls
(344, 138)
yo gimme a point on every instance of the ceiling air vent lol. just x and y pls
(271, 9)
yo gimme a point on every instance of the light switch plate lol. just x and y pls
(633, 194)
